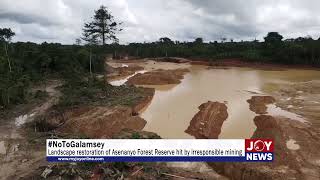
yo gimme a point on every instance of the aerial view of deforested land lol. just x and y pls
(139, 69)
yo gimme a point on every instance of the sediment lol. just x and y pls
(302, 163)
(171, 59)
(99, 121)
(121, 72)
(301, 98)
(258, 103)
(158, 77)
(208, 121)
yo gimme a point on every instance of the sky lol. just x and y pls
(148, 20)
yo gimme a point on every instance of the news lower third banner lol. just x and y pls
(159, 150)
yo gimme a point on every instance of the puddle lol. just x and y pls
(291, 144)
(273, 110)
(171, 111)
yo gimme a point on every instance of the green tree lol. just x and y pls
(165, 40)
(103, 26)
(78, 41)
(91, 39)
(273, 37)
(198, 41)
(165, 44)
(5, 36)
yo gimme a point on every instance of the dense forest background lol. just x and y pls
(25, 63)
(302, 50)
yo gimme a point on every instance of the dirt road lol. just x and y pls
(21, 154)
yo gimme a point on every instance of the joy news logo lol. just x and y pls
(259, 149)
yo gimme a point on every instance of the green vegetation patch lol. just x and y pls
(97, 92)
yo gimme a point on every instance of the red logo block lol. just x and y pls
(259, 145)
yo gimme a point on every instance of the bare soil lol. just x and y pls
(158, 77)
(23, 152)
(121, 72)
(208, 121)
(289, 163)
(301, 98)
(258, 103)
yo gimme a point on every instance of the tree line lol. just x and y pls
(302, 50)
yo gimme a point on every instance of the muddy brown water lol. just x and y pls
(173, 106)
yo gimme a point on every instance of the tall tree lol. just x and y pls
(165, 43)
(78, 41)
(103, 26)
(273, 37)
(165, 40)
(91, 39)
(198, 40)
(5, 36)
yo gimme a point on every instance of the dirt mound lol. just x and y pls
(274, 128)
(208, 121)
(120, 72)
(129, 69)
(158, 77)
(258, 103)
(92, 120)
(103, 122)
(264, 122)
(172, 59)
(296, 154)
